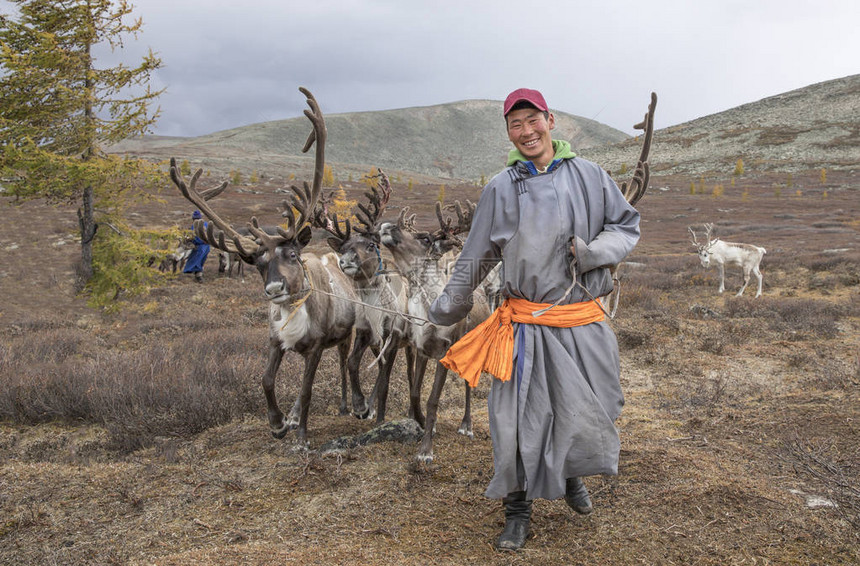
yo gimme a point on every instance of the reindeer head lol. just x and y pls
(358, 246)
(276, 256)
(394, 234)
(447, 238)
(704, 250)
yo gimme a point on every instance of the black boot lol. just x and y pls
(518, 512)
(577, 496)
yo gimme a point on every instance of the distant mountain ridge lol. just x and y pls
(811, 127)
(458, 140)
(807, 128)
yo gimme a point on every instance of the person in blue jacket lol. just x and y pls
(198, 255)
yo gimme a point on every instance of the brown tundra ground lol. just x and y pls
(140, 437)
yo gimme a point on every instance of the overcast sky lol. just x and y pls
(229, 63)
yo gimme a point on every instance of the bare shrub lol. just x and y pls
(813, 317)
(835, 472)
(709, 394)
(745, 307)
(628, 339)
(739, 332)
(800, 317)
(640, 296)
(52, 346)
(196, 382)
(830, 373)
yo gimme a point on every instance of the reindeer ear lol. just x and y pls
(334, 243)
(304, 236)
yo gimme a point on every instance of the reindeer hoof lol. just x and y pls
(361, 412)
(466, 431)
(424, 458)
(281, 432)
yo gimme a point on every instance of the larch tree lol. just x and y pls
(59, 111)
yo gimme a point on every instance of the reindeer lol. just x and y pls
(378, 324)
(228, 260)
(300, 319)
(415, 259)
(447, 243)
(747, 256)
(177, 258)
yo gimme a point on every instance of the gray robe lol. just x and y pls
(555, 418)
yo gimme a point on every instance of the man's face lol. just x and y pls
(529, 131)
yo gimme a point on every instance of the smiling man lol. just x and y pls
(548, 216)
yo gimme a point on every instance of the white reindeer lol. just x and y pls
(747, 256)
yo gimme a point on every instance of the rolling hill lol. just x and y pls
(815, 126)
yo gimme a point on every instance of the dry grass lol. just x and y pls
(141, 437)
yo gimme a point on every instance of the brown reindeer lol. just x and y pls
(382, 292)
(418, 261)
(300, 319)
(448, 241)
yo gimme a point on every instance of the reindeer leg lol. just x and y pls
(746, 282)
(276, 418)
(758, 275)
(384, 378)
(359, 404)
(722, 269)
(342, 355)
(425, 452)
(415, 390)
(293, 416)
(410, 376)
(312, 360)
(466, 425)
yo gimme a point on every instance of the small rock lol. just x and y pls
(405, 430)
(704, 312)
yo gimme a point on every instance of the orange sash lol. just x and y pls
(489, 346)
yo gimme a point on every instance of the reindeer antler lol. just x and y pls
(304, 200)
(318, 135)
(693, 236)
(406, 222)
(464, 216)
(445, 227)
(190, 192)
(639, 184)
(331, 224)
(378, 199)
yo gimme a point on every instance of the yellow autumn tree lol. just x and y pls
(328, 176)
(343, 206)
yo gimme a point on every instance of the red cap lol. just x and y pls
(533, 97)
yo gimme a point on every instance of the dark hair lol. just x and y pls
(524, 104)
